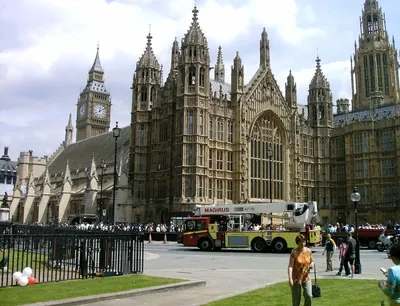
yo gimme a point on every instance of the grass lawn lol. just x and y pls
(69, 289)
(18, 259)
(334, 292)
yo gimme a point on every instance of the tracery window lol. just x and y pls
(201, 124)
(191, 122)
(211, 129)
(220, 131)
(192, 76)
(264, 165)
(141, 136)
(230, 131)
(202, 76)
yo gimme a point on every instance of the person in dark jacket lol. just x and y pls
(330, 247)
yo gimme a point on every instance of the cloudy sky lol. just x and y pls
(48, 46)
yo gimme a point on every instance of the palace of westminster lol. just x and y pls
(201, 139)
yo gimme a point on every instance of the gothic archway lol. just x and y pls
(266, 159)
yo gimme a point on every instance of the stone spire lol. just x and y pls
(264, 50)
(195, 35)
(291, 90)
(319, 80)
(219, 69)
(96, 67)
(148, 59)
(175, 55)
(69, 129)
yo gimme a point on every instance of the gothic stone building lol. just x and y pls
(198, 139)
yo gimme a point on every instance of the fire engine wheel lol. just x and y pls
(205, 244)
(259, 245)
(279, 245)
(371, 244)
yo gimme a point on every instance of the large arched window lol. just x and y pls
(266, 160)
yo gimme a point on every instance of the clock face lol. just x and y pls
(82, 111)
(99, 111)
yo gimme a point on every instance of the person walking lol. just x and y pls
(342, 250)
(330, 247)
(349, 256)
(300, 263)
(391, 287)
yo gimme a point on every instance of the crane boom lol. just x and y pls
(300, 213)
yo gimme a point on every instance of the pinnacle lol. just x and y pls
(219, 59)
(318, 60)
(149, 38)
(195, 11)
(97, 64)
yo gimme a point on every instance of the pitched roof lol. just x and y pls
(79, 154)
(96, 64)
(7, 166)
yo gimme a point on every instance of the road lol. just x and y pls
(229, 272)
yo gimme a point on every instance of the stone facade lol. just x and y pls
(196, 139)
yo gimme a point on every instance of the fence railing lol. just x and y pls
(64, 254)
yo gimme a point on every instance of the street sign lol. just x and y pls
(104, 212)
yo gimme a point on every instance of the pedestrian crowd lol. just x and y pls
(340, 227)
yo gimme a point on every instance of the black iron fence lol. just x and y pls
(56, 254)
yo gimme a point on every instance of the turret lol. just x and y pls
(237, 79)
(320, 100)
(264, 50)
(342, 106)
(375, 71)
(291, 91)
(194, 63)
(219, 69)
(148, 79)
(175, 55)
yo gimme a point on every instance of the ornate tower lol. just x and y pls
(291, 91)
(94, 104)
(264, 50)
(69, 130)
(320, 100)
(376, 66)
(219, 69)
(145, 92)
(192, 112)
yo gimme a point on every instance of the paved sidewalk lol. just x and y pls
(218, 289)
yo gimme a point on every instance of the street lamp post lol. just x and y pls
(116, 133)
(101, 206)
(355, 198)
(270, 154)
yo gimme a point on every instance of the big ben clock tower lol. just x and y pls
(94, 104)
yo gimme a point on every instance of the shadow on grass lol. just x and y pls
(335, 292)
(77, 288)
